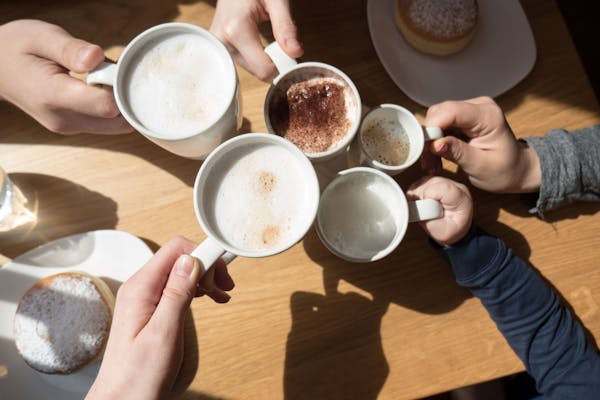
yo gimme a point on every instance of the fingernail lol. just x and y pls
(443, 148)
(83, 54)
(184, 266)
(291, 43)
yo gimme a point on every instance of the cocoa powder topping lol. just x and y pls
(312, 114)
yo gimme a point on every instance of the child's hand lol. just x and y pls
(456, 202)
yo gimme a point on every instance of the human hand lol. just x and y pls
(456, 203)
(483, 145)
(145, 345)
(34, 75)
(236, 24)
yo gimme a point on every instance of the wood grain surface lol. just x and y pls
(305, 324)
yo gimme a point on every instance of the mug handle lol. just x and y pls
(423, 210)
(105, 74)
(208, 252)
(282, 61)
(433, 132)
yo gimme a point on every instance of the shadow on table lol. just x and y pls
(334, 349)
(135, 144)
(59, 205)
(115, 23)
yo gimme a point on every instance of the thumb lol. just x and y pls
(284, 28)
(59, 46)
(178, 292)
(453, 149)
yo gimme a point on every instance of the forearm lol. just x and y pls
(542, 332)
(570, 167)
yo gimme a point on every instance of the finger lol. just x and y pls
(177, 294)
(139, 295)
(415, 190)
(456, 114)
(284, 28)
(152, 277)
(222, 278)
(219, 296)
(215, 282)
(71, 122)
(59, 46)
(72, 94)
(458, 151)
(252, 56)
(431, 163)
(447, 191)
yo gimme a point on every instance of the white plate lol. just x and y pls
(500, 55)
(109, 254)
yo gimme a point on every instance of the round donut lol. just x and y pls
(62, 322)
(437, 27)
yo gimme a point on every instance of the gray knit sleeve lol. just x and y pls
(570, 165)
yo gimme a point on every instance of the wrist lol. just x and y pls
(469, 232)
(531, 175)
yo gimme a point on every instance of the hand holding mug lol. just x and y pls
(34, 75)
(484, 146)
(145, 346)
(363, 214)
(236, 24)
(176, 84)
(456, 202)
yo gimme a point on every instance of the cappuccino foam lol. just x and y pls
(355, 218)
(315, 114)
(386, 141)
(177, 85)
(256, 197)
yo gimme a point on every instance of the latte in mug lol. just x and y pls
(256, 199)
(177, 84)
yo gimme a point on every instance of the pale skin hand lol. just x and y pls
(145, 346)
(34, 75)
(236, 24)
(456, 203)
(487, 151)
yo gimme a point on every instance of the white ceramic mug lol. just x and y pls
(210, 123)
(290, 72)
(255, 195)
(363, 214)
(399, 135)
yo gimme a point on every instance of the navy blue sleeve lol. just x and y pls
(543, 332)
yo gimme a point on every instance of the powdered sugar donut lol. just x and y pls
(62, 322)
(438, 27)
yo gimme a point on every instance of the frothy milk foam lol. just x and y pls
(257, 197)
(177, 85)
(354, 217)
(385, 140)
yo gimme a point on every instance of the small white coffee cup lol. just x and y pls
(255, 195)
(292, 72)
(363, 214)
(391, 139)
(176, 84)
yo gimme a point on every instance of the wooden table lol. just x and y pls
(305, 324)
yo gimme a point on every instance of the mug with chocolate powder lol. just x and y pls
(313, 105)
